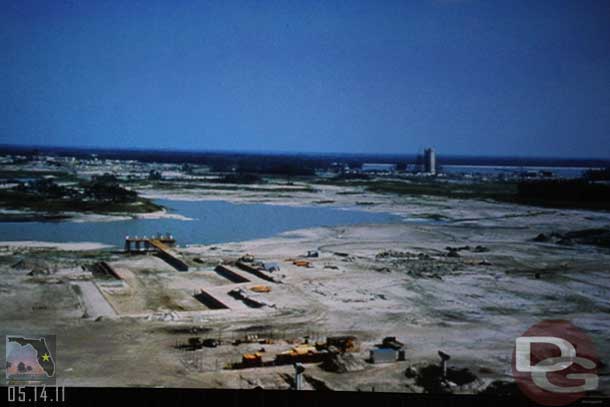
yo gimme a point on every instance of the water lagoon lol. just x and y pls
(212, 222)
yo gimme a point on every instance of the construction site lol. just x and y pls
(296, 284)
(396, 307)
(323, 197)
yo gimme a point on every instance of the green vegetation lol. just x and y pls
(25, 174)
(30, 217)
(546, 193)
(488, 190)
(154, 175)
(565, 194)
(241, 178)
(598, 175)
(101, 195)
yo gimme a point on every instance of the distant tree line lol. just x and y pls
(240, 178)
(101, 188)
(287, 168)
(597, 175)
(567, 191)
(107, 188)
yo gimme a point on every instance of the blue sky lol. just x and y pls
(470, 77)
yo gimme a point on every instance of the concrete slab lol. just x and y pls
(92, 299)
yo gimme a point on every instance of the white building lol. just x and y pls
(429, 161)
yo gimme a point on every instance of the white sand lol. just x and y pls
(72, 246)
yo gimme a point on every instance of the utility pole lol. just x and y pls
(298, 376)
(444, 359)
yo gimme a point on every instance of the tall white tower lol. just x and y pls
(430, 161)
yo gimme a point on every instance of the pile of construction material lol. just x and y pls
(260, 289)
(297, 354)
(331, 353)
(342, 344)
(342, 363)
(304, 353)
(302, 263)
(251, 360)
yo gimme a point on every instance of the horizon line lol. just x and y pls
(293, 152)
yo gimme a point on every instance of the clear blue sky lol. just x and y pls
(467, 77)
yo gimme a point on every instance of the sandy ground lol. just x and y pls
(78, 217)
(415, 207)
(95, 304)
(75, 246)
(472, 306)
(162, 214)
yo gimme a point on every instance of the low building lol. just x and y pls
(379, 167)
(383, 355)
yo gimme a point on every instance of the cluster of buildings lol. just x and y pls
(428, 167)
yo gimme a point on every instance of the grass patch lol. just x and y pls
(565, 194)
(495, 191)
(31, 217)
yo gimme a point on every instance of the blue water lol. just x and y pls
(214, 222)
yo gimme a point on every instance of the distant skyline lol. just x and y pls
(467, 77)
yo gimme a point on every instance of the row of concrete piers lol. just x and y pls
(162, 244)
(143, 243)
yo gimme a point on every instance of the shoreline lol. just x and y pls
(15, 216)
(65, 246)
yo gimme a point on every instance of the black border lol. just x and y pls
(135, 396)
